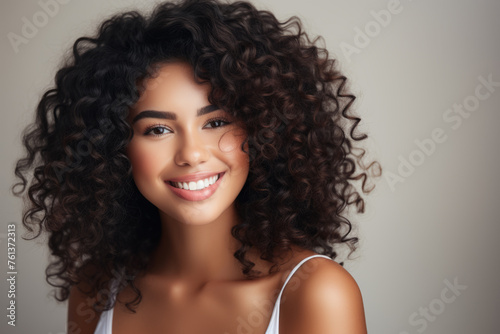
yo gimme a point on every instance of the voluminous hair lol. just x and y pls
(284, 88)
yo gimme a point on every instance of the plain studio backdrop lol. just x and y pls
(427, 78)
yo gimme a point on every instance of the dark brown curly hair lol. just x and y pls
(269, 74)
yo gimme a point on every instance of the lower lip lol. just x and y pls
(196, 195)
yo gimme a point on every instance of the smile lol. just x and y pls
(195, 188)
(196, 185)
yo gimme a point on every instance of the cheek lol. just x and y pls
(242, 165)
(230, 146)
(146, 162)
(231, 141)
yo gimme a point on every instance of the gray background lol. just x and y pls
(438, 226)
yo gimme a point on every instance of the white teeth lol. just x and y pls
(198, 185)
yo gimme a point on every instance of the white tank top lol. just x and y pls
(106, 320)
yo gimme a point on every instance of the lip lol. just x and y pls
(195, 195)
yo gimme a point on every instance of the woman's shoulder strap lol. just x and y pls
(273, 327)
(297, 268)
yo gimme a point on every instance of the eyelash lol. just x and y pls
(151, 128)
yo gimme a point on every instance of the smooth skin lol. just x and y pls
(193, 283)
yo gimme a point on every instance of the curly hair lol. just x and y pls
(269, 74)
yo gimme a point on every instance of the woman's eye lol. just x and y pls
(157, 131)
(216, 123)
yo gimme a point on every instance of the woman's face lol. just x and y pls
(185, 153)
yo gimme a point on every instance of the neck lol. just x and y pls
(197, 254)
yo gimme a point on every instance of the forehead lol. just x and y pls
(173, 85)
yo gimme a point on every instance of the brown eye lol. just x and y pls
(157, 130)
(216, 123)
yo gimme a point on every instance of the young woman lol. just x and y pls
(193, 169)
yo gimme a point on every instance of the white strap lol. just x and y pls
(296, 268)
(274, 323)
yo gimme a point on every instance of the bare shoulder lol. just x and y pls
(322, 297)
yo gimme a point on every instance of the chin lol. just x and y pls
(193, 216)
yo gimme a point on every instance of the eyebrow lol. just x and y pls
(170, 115)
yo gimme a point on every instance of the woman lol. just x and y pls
(193, 168)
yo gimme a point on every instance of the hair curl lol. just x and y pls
(267, 73)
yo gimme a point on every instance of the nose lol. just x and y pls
(192, 150)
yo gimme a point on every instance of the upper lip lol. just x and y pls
(193, 177)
